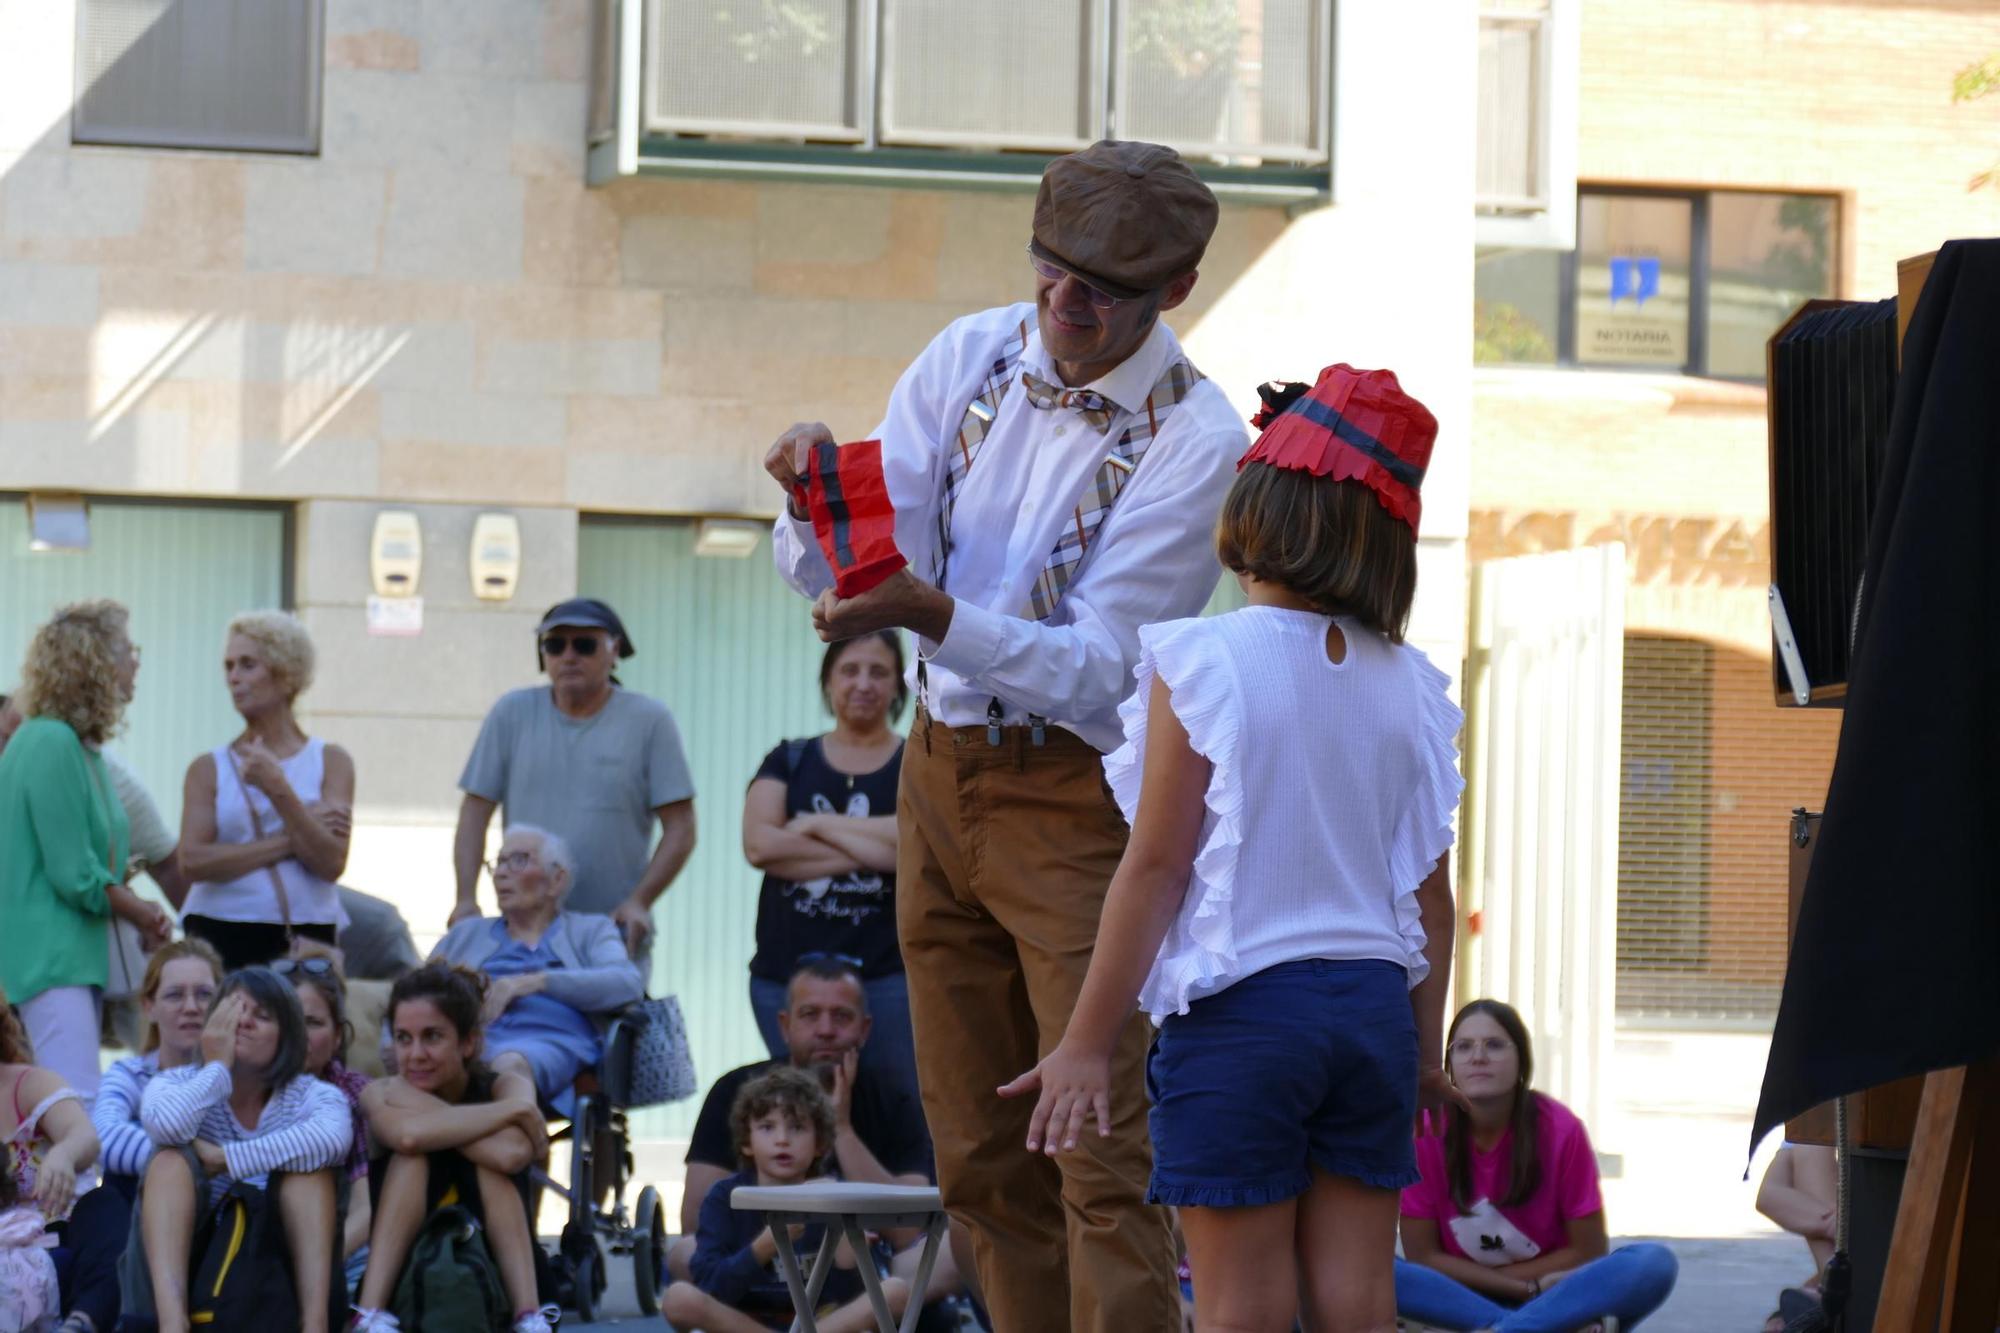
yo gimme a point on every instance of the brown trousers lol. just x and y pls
(1004, 856)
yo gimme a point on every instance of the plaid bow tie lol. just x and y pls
(1094, 407)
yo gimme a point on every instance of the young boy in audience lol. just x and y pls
(782, 1124)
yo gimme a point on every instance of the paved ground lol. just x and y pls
(1679, 1126)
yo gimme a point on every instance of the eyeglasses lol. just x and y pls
(514, 860)
(1492, 1047)
(555, 645)
(1102, 300)
(312, 967)
(808, 959)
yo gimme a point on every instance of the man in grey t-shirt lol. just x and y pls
(590, 761)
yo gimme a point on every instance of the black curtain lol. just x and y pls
(1895, 966)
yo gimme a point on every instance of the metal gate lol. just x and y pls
(1538, 883)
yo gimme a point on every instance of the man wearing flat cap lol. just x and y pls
(1056, 470)
(587, 759)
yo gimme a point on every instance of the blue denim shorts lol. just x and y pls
(1306, 1064)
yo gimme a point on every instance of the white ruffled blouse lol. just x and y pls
(1330, 798)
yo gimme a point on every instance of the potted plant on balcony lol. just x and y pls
(1182, 61)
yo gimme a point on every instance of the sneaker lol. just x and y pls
(374, 1321)
(543, 1320)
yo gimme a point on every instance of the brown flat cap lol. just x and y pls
(1126, 217)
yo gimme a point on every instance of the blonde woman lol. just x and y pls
(265, 818)
(64, 841)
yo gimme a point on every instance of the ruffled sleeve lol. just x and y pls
(1424, 832)
(1190, 657)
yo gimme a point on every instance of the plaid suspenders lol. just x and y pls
(1093, 507)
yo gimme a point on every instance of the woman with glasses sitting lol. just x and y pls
(819, 820)
(1506, 1229)
(555, 977)
(265, 818)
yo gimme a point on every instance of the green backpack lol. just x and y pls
(451, 1284)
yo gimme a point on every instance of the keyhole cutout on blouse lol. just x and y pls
(1336, 643)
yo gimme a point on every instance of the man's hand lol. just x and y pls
(901, 601)
(787, 460)
(841, 1090)
(635, 922)
(210, 1156)
(468, 911)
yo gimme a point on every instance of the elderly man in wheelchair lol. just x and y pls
(561, 985)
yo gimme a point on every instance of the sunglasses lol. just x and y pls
(1101, 300)
(586, 645)
(312, 967)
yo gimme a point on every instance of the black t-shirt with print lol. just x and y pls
(886, 1118)
(853, 914)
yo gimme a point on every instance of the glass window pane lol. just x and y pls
(1767, 254)
(230, 74)
(1509, 110)
(1236, 79)
(1516, 298)
(975, 74)
(753, 67)
(1632, 280)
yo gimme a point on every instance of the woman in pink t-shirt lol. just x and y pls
(1506, 1229)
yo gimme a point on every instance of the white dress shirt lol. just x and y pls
(1152, 559)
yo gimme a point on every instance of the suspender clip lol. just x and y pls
(993, 716)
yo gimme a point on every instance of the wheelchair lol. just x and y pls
(600, 1165)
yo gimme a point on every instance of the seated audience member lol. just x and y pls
(323, 1000)
(1506, 1229)
(449, 1128)
(46, 1142)
(1799, 1194)
(179, 985)
(879, 1133)
(248, 1112)
(375, 944)
(555, 977)
(30, 1295)
(782, 1126)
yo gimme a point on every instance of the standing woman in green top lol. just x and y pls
(64, 842)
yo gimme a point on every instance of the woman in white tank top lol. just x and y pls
(265, 819)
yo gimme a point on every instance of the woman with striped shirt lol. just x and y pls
(180, 985)
(249, 1112)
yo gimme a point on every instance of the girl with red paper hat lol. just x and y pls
(1283, 910)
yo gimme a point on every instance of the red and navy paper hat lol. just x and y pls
(1353, 425)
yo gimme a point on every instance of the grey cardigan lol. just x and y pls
(596, 976)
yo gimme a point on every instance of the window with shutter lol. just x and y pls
(216, 74)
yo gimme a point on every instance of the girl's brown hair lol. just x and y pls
(71, 670)
(1329, 541)
(14, 1047)
(1523, 1117)
(332, 987)
(156, 966)
(789, 1092)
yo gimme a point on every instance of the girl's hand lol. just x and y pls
(806, 825)
(211, 1158)
(1435, 1091)
(218, 1036)
(1073, 1085)
(55, 1185)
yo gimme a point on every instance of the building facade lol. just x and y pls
(255, 292)
(1732, 159)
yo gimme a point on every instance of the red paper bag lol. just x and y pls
(844, 495)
